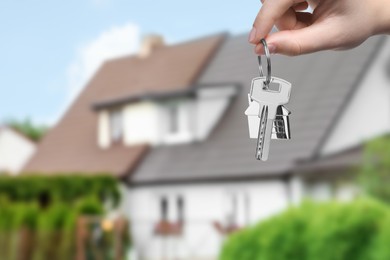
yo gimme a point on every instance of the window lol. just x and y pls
(232, 210)
(116, 126)
(237, 211)
(173, 119)
(180, 209)
(167, 225)
(164, 208)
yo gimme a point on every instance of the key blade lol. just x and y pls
(264, 136)
(266, 142)
(261, 133)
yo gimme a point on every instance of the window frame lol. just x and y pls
(115, 121)
(173, 112)
(164, 208)
(180, 209)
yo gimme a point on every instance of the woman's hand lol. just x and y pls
(334, 24)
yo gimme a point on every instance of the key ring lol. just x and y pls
(268, 56)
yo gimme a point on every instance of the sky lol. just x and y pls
(49, 49)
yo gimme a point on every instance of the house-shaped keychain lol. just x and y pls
(281, 124)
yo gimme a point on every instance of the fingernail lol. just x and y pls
(252, 35)
(272, 48)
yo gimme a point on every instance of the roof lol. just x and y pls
(345, 159)
(322, 85)
(154, 95)
(71, 146)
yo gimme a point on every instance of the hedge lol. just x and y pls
(14, 216)
(38, 213)
(333, 231)
(66, 188)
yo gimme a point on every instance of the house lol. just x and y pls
(170, 123)
(15, 150)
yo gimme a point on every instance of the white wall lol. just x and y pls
(15, 150)
(203, 204)
(320, 191)
(368, 113)
(297, 189)
(141, 123)
(104, 140)
(185, 131)
(210, 106)
(206, 203)
(147, 121)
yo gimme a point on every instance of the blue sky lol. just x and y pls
(49, 49)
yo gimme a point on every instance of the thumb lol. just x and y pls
(310, 39)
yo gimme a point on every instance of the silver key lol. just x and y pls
(281, 125)
(269, 100)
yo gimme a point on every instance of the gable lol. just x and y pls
(72, 145)
(367, 112)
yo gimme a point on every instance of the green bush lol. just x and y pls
(381, 249)
(242, 245)
(374, 174)
(56, 218)
(331, 231)
(66, 188)
(26, 215)
(89, 206)
(41, 212)
(7, 215)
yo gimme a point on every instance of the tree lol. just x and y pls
(26, 127)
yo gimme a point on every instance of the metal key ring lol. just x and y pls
(268, 56)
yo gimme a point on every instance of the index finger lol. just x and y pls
(269, 13)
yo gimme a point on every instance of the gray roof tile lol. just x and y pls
(322, 83)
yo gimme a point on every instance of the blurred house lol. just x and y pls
(15, 150)
(170, 123)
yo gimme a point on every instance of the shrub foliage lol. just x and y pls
(374, 175)
(38, 214)
(67, 189)
(333, 231)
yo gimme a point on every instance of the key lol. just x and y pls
(281, 125)
(269, 100)
(264, 135)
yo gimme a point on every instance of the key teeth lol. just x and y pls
(260, 155)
